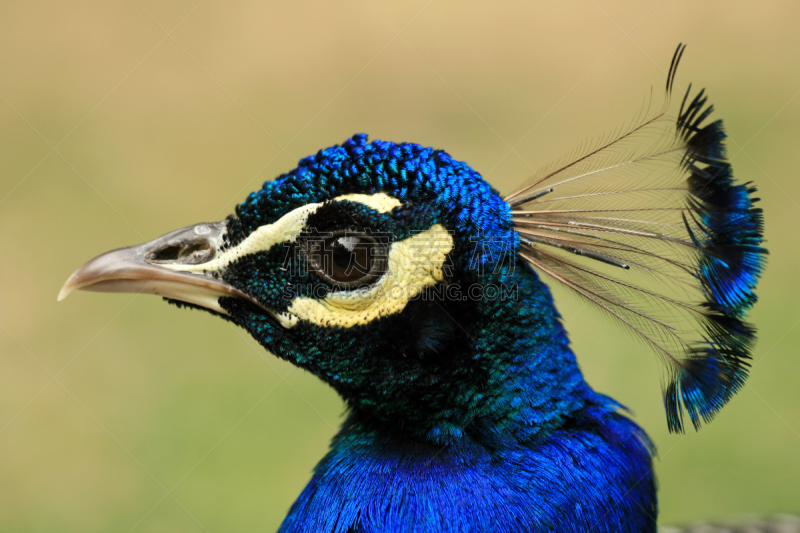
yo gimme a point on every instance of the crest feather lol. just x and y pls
(650, 226)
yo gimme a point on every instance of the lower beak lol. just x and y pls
(155, 268)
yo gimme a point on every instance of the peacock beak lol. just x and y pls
(170, 266)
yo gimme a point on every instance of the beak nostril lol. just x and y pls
(184, 253)
(167, 253)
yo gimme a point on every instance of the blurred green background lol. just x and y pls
(122, 120)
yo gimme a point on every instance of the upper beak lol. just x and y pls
(155, 268)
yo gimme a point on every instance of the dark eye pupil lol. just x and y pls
(347, 258)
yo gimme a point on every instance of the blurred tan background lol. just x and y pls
(122, 120)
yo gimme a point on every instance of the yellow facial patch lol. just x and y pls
(413, 264)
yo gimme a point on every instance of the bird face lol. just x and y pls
(341, 267)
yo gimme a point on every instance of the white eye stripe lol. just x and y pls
(380, 202)
(284, 230)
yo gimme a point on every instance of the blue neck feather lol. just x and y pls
(535, 449)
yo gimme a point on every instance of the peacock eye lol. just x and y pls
(347, 259)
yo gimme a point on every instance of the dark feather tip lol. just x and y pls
(728, 232)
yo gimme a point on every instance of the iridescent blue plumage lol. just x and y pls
(554, 485)
(508, 437)
(510, 412)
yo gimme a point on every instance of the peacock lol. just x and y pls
(401, 278)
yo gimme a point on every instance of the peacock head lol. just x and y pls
(370, 265)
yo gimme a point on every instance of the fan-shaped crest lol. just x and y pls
(650, 226)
